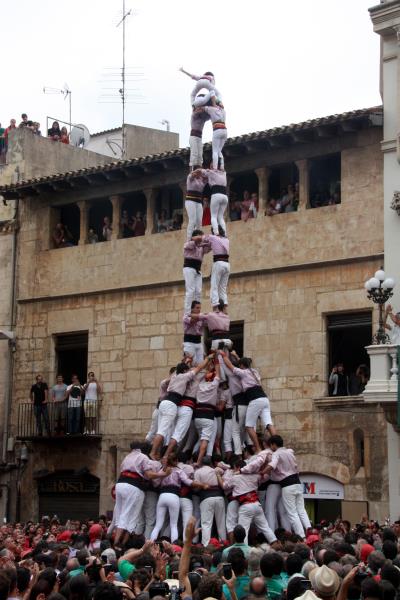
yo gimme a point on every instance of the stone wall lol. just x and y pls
(31, 156)
(135, 336)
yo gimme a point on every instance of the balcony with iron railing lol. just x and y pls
(56, 423)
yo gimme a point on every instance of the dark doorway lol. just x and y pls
(100, 208)
(243, 182)
(325, 176)
(133, 215)
(236, 335)
(72, 355)
(348, 334)
(70, 217)
(280, 178)
(69, 495)
(327, 510)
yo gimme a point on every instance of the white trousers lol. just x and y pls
(258, 408)
(232, 515)
(153, 426)
(196, 151)
(167, 412)
(218, 141)
(206, 429)
(274, 508)
(238, 428)
(293, 501)
(195, 215)
(147, 519)
(196, 102)
(182, 423)
(218, 205)
(186, 506)
(167, 502)
(227, 435)
(219, 282)
(250, 512)
(128, 504)
(194, 350)
(210, 508)
(193, 285)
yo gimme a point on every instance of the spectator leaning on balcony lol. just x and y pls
(64, 136)
(54, 132)
(39, 396)
(395, 327)
(92, 395)
(59, 397)
(74, 393)
(339, 380)
(12, 125)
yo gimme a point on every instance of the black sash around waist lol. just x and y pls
(170, 489)
(228, 413)
(196, 133)
(290, 480)
(192, 263)
(133, 479)
(193, 339)
(223, 257)
(211, 493)
(240, 399)
(194, 196)
(218, 189)
(174, 397)
(204, 411)
(217, 334)
(255, 392)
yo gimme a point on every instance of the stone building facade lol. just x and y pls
(296, 281)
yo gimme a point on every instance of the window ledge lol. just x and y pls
(339, 401)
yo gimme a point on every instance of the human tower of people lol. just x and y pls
(202, 455)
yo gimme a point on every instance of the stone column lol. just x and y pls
(263, 188)
(150, 210)
(116, 202)
(304, 184)
(83, 224)
(184, 213)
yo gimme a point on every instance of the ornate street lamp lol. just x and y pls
(380, 289)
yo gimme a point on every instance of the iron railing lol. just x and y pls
(57, 420)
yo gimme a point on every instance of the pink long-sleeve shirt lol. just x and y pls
(283, 463)
(163, 389)
(216, 177)
(179, 382)
(217, 321)
(196, 184)
(193, 327)
(207, 392)
(241, 484)
(248, 377)
(235, 384)
(196, 251)
(177, 478)
(219, 244)
(198, 120)
(216, 113)
(136, 462)
(206, 475)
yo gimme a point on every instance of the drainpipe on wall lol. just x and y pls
(11, 343)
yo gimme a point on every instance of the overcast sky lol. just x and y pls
(276, 62)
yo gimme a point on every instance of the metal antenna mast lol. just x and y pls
(122, 90)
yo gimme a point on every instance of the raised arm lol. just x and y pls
(190, 533)
(226, 360)
(202, 365)
(195, 77)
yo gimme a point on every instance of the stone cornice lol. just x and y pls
(386, 18)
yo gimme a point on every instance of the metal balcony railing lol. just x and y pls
(55, 420)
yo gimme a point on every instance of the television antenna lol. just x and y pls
(125, 15)
(67, 93)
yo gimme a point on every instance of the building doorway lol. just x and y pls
(72, 355)
(69, 495)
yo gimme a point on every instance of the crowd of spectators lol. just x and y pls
(73, 407)
(33, 126)
(341, 384)
(58, 134)
(245, 208)
(164, 224)
(325, 194)
(287, 201)
(77, 561)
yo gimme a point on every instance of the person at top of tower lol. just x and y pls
(206, 81)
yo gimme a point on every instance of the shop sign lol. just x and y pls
(320, 487)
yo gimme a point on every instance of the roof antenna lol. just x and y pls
(122, 90)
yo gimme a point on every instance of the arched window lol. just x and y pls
(359, 451)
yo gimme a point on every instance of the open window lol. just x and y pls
(133, 215)
(243, 188)
(65, 226)
(100, 209)
(169, 209)
(72, 355)
(348, 334)
(325, 177)
(236, 335)
(283, 189)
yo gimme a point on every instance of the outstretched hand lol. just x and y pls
(191, 531)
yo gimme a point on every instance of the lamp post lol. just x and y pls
(379, 290)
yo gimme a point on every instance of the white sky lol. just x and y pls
(276, 62)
